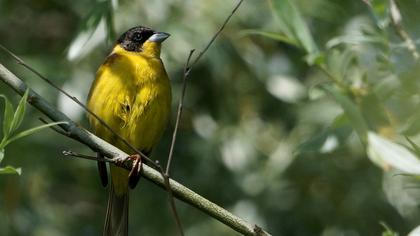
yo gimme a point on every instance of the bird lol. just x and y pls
(131, 93)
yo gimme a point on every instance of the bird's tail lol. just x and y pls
(116, 220)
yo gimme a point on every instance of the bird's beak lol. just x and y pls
(158, 37)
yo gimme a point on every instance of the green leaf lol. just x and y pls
(353, 39)
(19, 113)
(294, 25)
(8, 116)
(273, 35)
(33, 130)
(386, 153)
(351, 111)
(10, 170)
(388, 231)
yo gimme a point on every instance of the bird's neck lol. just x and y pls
(151, 49)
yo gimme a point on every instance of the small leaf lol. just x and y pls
(273, 35)
(19, 113)
(295, 25)
(386, 153)
(91, 33)
(353, 39)
(33, 130)
(10, 170)
(351, 111)
(388, 231)
(8, 116)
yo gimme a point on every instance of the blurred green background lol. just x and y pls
(268, 129)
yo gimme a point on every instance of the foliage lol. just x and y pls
(11, 122)
(283, 116)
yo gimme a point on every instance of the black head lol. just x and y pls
(133, 39)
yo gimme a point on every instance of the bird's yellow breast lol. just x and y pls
(132, 94)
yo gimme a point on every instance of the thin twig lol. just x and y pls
(21, 62)
(179, 112)
(87, 157)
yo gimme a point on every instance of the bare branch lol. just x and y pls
(98, 145)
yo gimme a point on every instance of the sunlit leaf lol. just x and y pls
(32, 130)
(386, 154)
(415, 231)
(91, 33)
(10, 170)
(297, 28)
(285, 88)
(7, 116)
(354, 39)
(351, 111)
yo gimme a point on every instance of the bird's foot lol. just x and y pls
(134, 175)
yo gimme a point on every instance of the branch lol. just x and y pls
(396, 20)
(80, 134)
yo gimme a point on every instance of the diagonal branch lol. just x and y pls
(80, 134)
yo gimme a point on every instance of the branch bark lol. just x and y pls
(80, 134)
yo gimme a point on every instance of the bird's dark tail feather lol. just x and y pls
(116, 220)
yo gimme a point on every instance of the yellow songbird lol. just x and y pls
(132, 94)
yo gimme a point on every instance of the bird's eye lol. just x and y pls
(137, 37)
